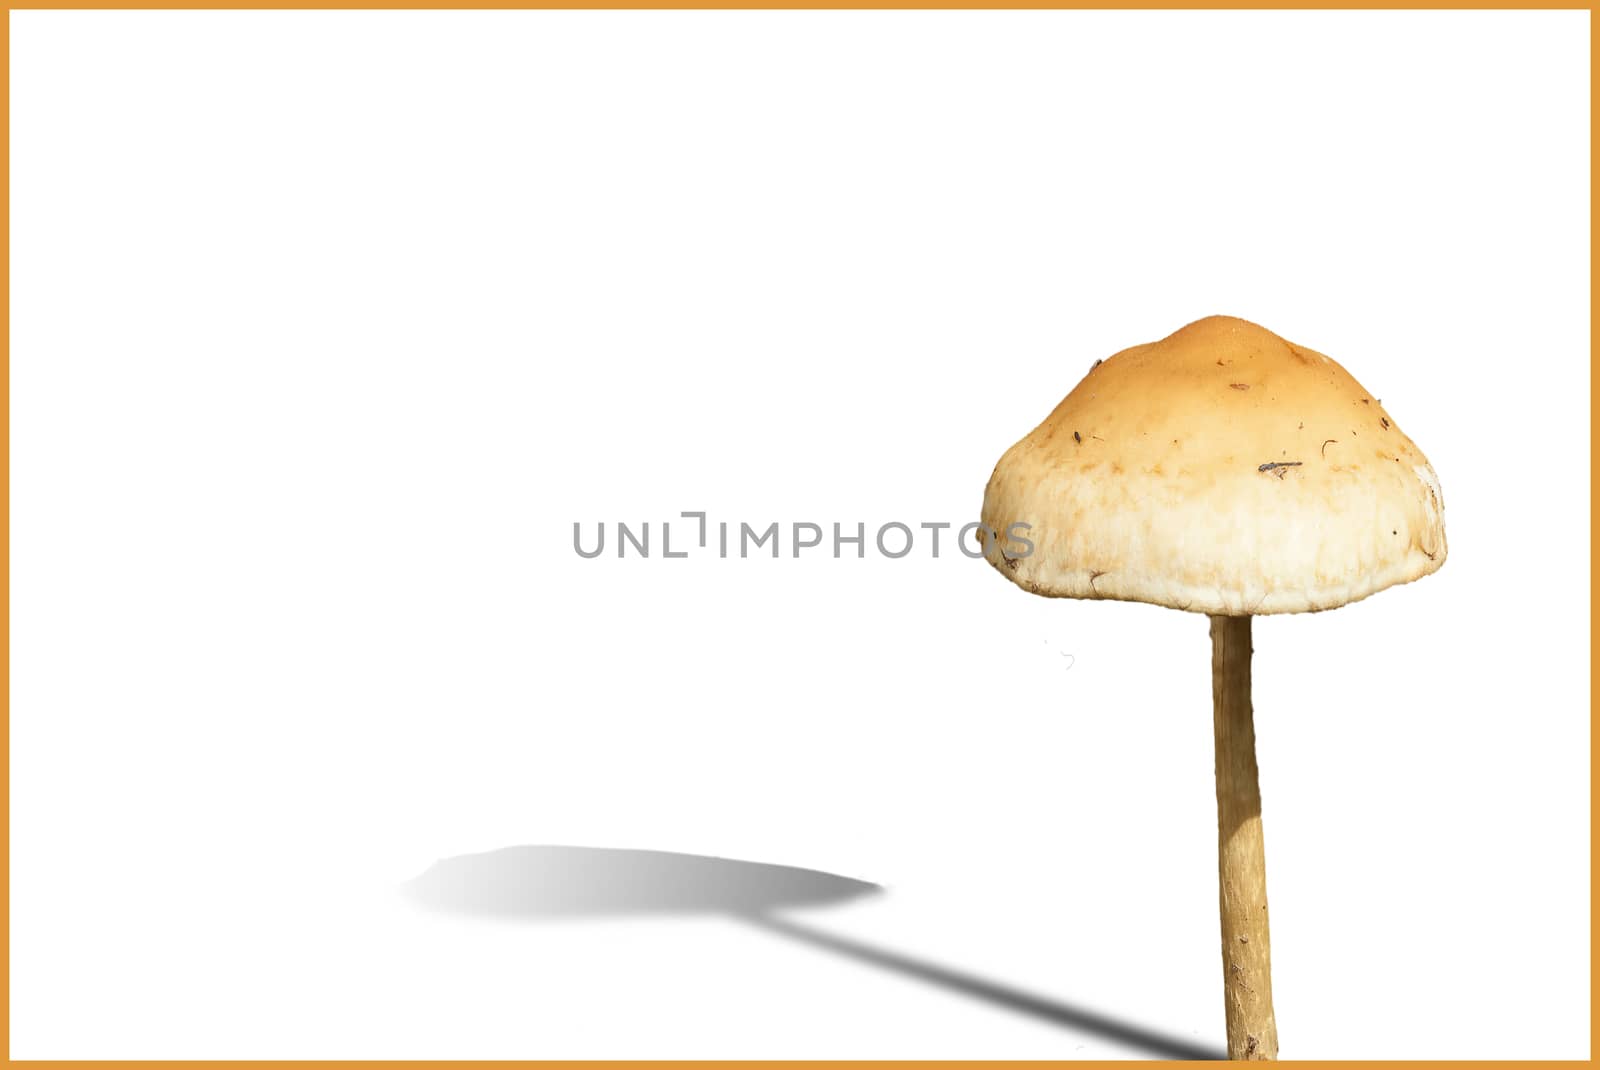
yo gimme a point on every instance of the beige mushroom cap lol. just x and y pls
(1221, 470)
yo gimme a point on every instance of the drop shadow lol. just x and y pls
(552, 883)
(567, 883)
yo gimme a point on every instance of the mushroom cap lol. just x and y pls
(1221, 470)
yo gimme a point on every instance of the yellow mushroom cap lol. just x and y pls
(1221, 470)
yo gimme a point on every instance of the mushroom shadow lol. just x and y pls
(549, 883)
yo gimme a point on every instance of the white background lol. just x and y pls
(327, 327)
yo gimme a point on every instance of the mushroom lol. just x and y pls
(1225, 471)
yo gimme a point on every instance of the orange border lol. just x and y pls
(725, 5)
(791, 5)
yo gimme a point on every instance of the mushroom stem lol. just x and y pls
(1241, 859)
